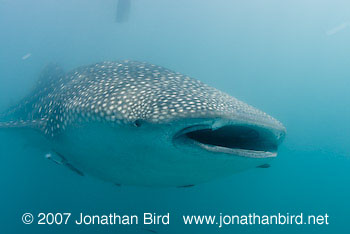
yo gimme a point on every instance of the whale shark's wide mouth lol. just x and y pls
(239, 140)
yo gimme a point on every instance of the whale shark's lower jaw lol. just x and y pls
(232, 139)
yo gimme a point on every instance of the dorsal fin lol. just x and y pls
(49, 76)
(49, 79)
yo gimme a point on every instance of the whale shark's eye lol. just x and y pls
(138, 123)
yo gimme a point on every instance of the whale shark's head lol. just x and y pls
(197, 117)
(192, 133)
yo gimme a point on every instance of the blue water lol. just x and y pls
(288, 58)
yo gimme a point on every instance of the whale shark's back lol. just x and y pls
(123, 92)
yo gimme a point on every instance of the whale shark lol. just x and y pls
(136, 123)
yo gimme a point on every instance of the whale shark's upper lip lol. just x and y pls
(244, 140)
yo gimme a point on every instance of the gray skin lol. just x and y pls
(136, 123)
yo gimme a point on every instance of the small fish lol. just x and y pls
(63, 161)
(26, 56)
(186, 186)
(266, 165)
(337, 29)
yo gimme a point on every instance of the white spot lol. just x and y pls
(337, 29)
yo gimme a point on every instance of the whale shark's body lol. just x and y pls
(137, 123)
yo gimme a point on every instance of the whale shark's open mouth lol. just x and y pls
(240, 140)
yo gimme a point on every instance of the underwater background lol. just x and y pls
(290, 59)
